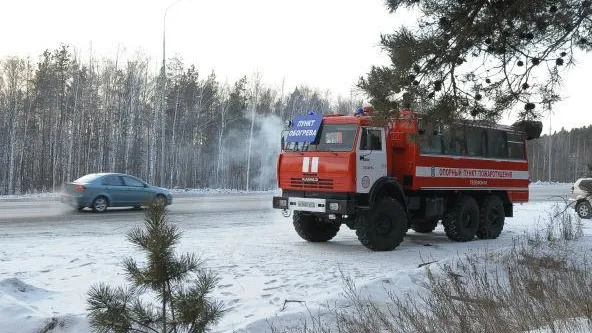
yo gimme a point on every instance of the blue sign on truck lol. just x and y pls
(305, 128)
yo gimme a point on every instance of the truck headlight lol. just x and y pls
(279, 202)
(334, 206)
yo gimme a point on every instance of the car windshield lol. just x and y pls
(87, 178)
(338, 137)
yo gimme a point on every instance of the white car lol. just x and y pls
(581, 194)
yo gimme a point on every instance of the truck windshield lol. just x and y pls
(331, 138)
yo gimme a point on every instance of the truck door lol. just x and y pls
(370, 157)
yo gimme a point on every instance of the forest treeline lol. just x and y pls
(564, 156)
(62, 117)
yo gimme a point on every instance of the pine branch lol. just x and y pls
(508, 34)
(138, 237)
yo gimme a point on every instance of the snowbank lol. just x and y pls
(411, 284)
(19, 311)
(268, 274)
(207, 191)
(44, 195)
(544, 183)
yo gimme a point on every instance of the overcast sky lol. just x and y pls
(325, 44)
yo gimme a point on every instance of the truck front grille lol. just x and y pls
(319, 183)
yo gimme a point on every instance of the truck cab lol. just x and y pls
(333, 173)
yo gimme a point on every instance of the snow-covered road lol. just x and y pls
(260, 259)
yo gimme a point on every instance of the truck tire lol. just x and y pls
(462, 222)
(424, 225)
(314, 229)
(383, 228)
(492, 218)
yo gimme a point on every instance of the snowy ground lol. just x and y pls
(47, 266)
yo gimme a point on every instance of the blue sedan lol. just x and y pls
(99, 191)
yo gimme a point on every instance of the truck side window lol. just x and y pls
(515, 146)
(454, 140)
(497, 143)
(371, 139)
(476, 141)
(430, 141)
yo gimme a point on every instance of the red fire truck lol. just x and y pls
(382, 181)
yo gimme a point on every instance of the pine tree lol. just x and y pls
(479, 59)
(179, 285)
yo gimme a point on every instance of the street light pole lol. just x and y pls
(166, 11)
(163, 95)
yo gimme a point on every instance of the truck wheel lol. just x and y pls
(461, 223)
(314, 229)
(492, 217)
(584, 210)
(383, 228)
(424, 225)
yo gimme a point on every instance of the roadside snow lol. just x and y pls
(545, 183)
(44, 195)
(205, 191)
(532, 218)
(412, 282)
(266, 270)
(19, 310)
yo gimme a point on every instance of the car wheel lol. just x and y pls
(100, 204)
(584, 210)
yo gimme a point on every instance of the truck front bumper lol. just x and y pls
(315, 205)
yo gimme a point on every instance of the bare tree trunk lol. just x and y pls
(73, 123)
(13, 143)
(132, 92)
(13, 68)
(173, 149)
(550, 149)
(221, 130)
(257, 83)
